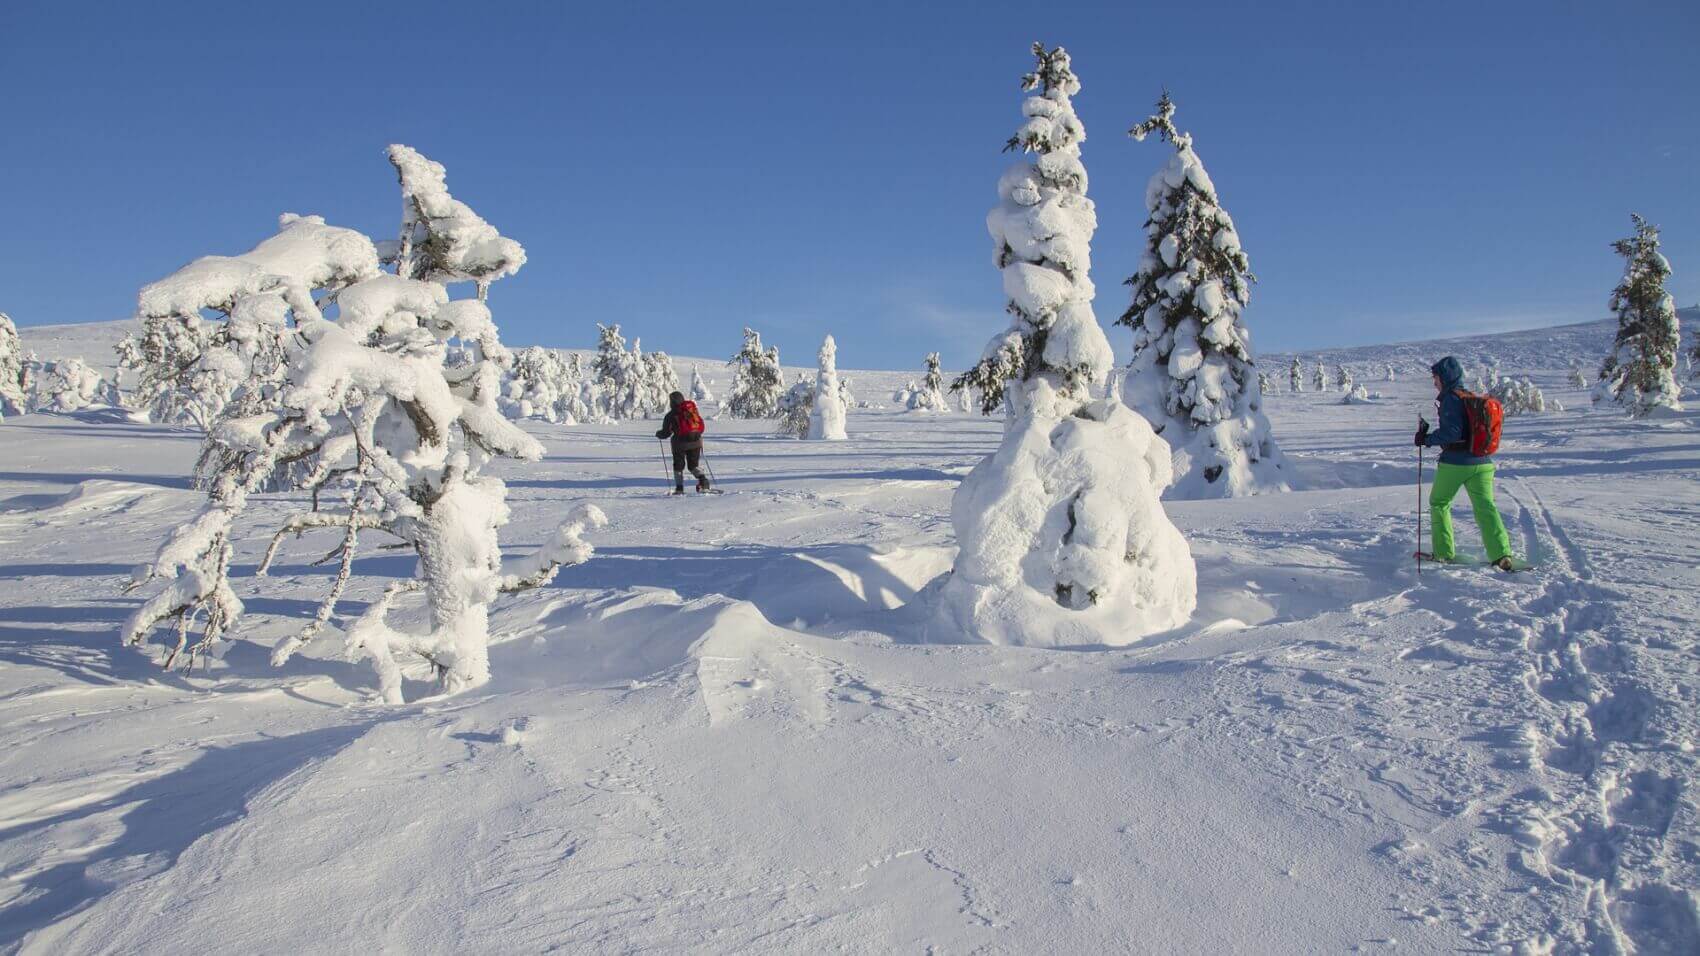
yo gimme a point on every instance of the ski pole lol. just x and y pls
(666, 467)
(1419, 511)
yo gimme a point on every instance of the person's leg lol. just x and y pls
(1479, 486)
(678, 469)
(1447, 480)
(693, 457)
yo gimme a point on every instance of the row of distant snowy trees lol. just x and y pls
(29, 384)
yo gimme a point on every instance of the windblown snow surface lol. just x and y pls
(726, 732)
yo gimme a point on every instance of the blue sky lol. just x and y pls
(1396, 170)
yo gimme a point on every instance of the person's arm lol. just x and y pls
(666, 426)
(1450, 428)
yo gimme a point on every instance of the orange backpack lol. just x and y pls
(690, 421)
(1483, 414)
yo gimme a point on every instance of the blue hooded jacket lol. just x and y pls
(1452, 429)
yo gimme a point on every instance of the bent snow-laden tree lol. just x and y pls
(395, 402)
(1063, 539)
(827, 412)
(757, 383)
(1640, 372)
(12, 396)
(1192, 374)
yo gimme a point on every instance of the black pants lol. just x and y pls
(688, 455)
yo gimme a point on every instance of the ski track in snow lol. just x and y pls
(721, 733)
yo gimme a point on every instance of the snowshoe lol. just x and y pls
(679, 490)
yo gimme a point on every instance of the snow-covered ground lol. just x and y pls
(728, 732)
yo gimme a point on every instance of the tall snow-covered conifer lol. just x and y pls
(1296, 376)
(1192, 375)
(1640, 371)
(1063, 539)
(395, 402)
(826, 415)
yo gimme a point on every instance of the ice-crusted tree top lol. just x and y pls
(1041, 235)
(442, 239)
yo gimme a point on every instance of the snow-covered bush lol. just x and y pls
(13, 400)
(828, 408)
(1355, 395)
(1320, 379)
(1639, 373)
(1578, 377)
(700, 392)
(757, 383)
(540, 385)
(1063, 538)
(930, 396)
(67, 385)
(901, 397)
(1518, 396)
(1193, 375)
(395, 402)
(796, 406)
(1296, 377)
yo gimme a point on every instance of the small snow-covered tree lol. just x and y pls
(1063, 539)
(1296, 377)
(1639, 372)
(827, 410)
(1390, 375)
(1265, 384)
(1320, 378)
(1578, 377)
(539, 385)
(757, 383)
(1344, 379)
(795, 407)
(619, 375)
(13, 400)
(700, 392)
(395, 399)
(1519, 396)
(930, 396)
(1192, 374)
(661, 380)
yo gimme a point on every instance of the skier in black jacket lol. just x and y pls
(684, 425)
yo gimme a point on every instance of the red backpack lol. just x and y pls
(1483, 414)
(690, 421)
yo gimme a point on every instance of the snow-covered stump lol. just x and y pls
(1192, 375)
(1063, 540)
(827, 414)
(398, 397)
(1639, 374)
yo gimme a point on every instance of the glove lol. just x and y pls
(1422, 432)
(661, 433)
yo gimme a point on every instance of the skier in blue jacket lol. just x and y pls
(1459, 468)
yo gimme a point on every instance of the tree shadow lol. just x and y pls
(74, 477)
(161, 817)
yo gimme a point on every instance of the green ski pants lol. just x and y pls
(1477, 481)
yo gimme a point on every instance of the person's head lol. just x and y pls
(1448, 374)
(675, 399)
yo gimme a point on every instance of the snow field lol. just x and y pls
(722, 732)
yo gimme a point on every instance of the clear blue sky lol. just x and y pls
(1396, 169)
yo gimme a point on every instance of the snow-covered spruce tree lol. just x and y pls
(1296, 377)
(619, 375)
(1192, 374)
(1265, 384)
(12, 396)
(1320, 379)
(929, 397)
(1062, 534)
(1390, 375)
(396, 397)
(757, 383)
(827, 409)
(1639, 372)
(700, 392)
(539, 385)
(1519, 396)
(1578, 377)
(1344, 379)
